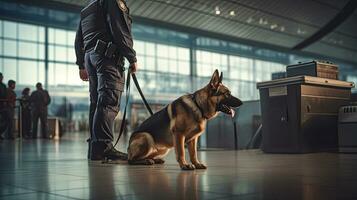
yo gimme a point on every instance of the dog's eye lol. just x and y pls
(227, 94)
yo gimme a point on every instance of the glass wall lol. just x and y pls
(240, 73)
(62, 69)
(170, 63)
(22, 53)
(23, 57)
(163, 69)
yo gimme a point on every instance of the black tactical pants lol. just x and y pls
(106, 84)
(39, 113)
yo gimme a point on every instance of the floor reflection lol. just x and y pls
(187, 185)
(43, 169)
(100, 181)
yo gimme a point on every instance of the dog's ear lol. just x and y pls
(215, 80)
(221, 77)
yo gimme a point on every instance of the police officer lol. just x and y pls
(39, 99)
(104, 37)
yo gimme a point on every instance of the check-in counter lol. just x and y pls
(300, 114)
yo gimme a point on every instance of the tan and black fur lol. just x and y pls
(180, 123)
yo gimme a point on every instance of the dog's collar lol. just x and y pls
(199, 108)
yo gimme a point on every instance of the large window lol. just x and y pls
(265, 69)
(22, 52)
(241, 68)
(61, 68)
(163, 68)
(207, 62)
(240, 73)
(164, 63)
(163, 58)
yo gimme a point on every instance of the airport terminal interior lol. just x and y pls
(293, 65)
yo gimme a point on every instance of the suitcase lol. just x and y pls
(300, 114)
(314, 68)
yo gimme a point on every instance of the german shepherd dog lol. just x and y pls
(180, 123)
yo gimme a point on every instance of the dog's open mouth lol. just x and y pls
(226, 106)
(226, 109)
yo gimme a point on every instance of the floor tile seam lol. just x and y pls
(61, 195)
(227, 193)
(20, 193)
(26, 188)
(40, 191)
(73, 188)
(55, 160)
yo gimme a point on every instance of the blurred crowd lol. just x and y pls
(32, 109)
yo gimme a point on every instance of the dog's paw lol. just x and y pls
(159, 161)
(149, 162)
(200, 166)
(187, 167)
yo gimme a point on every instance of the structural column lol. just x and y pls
(46, 57)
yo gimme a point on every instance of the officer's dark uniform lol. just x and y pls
(105, 36)
(39, 99)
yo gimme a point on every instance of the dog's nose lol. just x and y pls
(236, 102)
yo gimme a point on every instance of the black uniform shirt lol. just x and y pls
(118, 21)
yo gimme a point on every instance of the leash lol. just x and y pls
(141, 93)
(123, 123)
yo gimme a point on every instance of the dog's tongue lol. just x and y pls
(232, 112)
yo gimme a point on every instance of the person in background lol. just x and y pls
(10, 109)
(40, 99)
(26, 113)
(2, 106)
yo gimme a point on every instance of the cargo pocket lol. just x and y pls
(109, 93)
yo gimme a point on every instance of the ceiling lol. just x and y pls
(276, 23)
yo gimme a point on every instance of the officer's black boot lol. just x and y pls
(111, 153)
(101, 150)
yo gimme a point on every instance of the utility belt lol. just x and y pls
(109, 50)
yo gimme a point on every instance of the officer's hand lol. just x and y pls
(83, 74)
(133, 67)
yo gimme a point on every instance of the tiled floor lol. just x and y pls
(43, 169)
